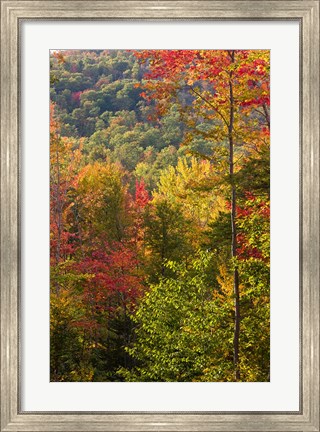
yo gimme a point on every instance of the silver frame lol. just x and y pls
(304, 11)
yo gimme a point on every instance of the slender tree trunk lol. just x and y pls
(126, 330)
(58, 203)
(58, 216)
(236, 334)
(163, 248)
(267, 115)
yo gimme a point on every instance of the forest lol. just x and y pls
(160, 215)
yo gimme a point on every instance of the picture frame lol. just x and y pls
(307, 14)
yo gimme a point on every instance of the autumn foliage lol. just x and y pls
(160, 215)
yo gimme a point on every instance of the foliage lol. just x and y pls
(179, 335)
(159, 198)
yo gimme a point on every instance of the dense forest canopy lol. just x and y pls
(159, 215)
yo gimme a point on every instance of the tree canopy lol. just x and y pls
(160, 215)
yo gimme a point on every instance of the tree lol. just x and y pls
(165, 228)
(230, 89)
(189, 185)
(109, 296)
(183, 331)
(101, 202)
(68, 359)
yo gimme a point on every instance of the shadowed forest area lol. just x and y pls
(159, 215)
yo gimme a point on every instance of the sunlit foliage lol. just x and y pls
(160, 215)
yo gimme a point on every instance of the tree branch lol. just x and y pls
(210, 104)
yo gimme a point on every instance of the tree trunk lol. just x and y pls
(58, 217)
(236, 334)
(58, 209)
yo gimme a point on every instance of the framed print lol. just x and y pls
(144, 146)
